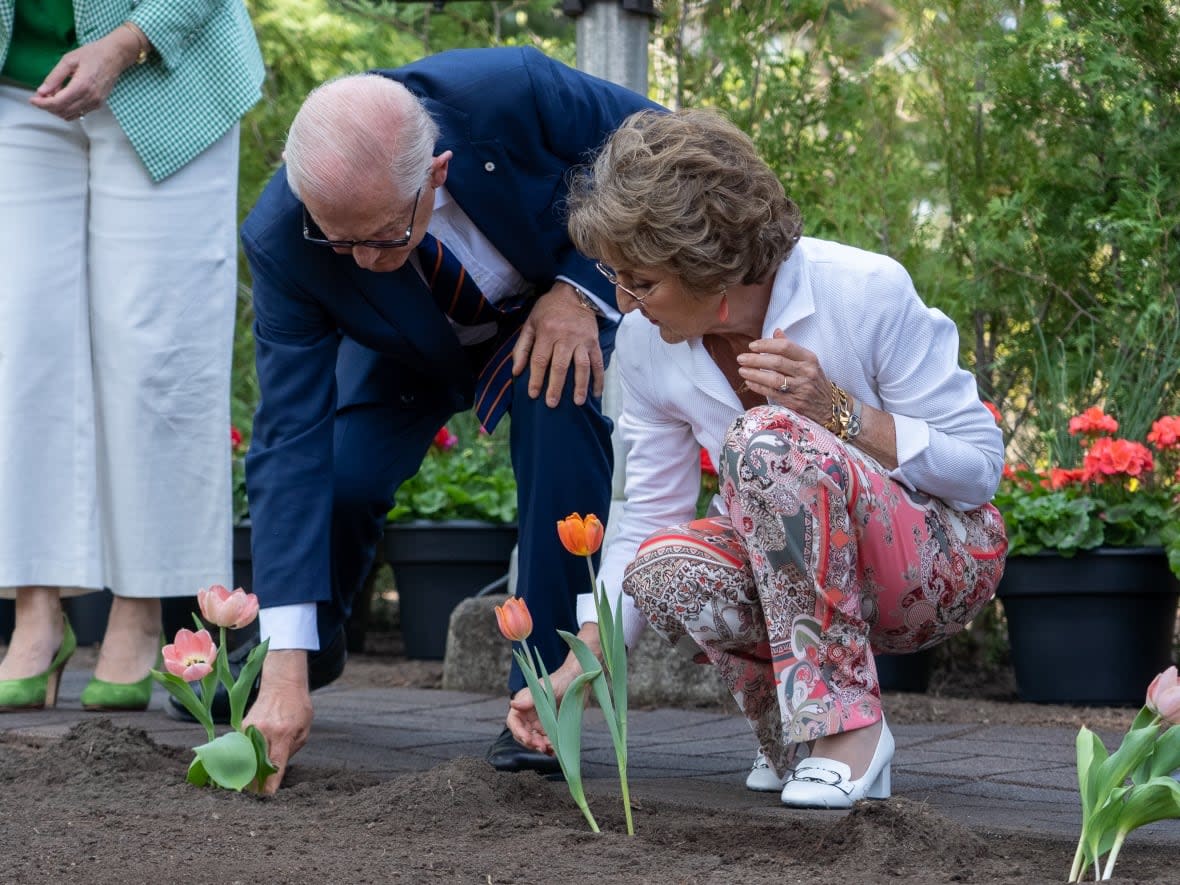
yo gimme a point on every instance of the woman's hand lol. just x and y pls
(523, 721)
(790, 375)
(787, 374)
(84, 77)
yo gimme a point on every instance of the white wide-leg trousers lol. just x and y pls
(117, 303)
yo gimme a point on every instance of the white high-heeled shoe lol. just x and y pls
(828, 783)
(762, 778)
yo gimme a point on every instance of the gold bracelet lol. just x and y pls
(141, 39)
(841, 413)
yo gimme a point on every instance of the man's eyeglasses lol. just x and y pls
(613, 279)
(313, 234)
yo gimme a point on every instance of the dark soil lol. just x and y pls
(107, 804)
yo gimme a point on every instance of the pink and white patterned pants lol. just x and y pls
(822, 560)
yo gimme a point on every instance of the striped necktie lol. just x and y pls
(459, 297)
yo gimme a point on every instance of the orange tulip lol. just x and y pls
(581, 537)
(514, 619)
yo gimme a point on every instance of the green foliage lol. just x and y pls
(471, 480)
(1054, 125)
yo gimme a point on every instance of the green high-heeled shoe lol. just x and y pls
(115, 696)
(36, 692)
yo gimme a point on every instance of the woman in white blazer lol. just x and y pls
(856, 459)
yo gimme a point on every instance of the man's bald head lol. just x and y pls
(356, 136)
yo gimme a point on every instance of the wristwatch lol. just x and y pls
(586, 301)
(852, 429)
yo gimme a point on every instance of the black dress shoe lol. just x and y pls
(323, 666)
(506, 754)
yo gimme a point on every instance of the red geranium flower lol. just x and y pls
(1112, 457)
(235, 438)
(991, 407)
(1092, 422)
(1060, 477)
(1165, 433)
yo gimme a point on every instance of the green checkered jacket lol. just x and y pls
(205, 73)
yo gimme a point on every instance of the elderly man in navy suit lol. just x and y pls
(410, 262)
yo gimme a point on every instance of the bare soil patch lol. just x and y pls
(107, 804)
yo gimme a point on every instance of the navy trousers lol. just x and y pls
(561, 457)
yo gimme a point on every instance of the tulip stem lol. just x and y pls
(1075, 872)
(1110, 858)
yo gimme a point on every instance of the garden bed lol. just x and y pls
(107, 804)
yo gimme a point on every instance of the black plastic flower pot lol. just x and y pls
(1092, 629)
(905, 672)
(436, 565)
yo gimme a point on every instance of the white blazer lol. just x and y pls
(859, 313)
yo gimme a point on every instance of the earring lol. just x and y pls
(723, 307)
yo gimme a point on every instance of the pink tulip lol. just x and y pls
(191, 655)
(1163, 696)
(225, 609)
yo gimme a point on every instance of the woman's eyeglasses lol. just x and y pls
(613, 279)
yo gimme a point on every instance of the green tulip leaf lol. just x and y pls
(183, 692)
(1158, 799)
(1136, 746)
(264, 766)
(1143, 718)
(1166, 757)
(1090, 750)
(197, 776)
(614, 650)
(569, 727)
(229, 760)
(601, 691)
(542, 700)
(239, 692)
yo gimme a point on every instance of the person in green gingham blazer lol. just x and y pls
(204, 73)
(119, 134)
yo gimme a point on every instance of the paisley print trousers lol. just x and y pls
(822, 560)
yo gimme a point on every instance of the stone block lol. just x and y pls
(478, 659)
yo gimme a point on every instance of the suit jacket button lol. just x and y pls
(407, 399)
(489, 166)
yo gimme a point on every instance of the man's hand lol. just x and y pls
(558, 331)
(282, 711)
(522, 711)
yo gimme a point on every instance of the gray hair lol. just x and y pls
(356, 133)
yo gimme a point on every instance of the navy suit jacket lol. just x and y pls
(517, 122)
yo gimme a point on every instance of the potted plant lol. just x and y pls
(1090, 590)
(451, 531)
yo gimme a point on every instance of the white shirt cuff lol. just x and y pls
(290, 626)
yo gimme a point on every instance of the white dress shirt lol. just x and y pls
(859, 313)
